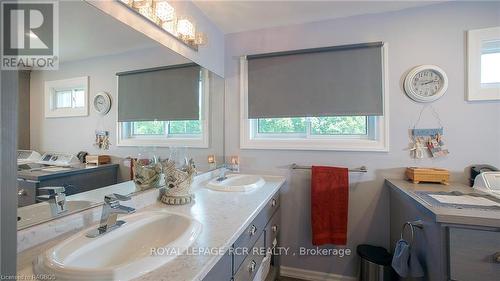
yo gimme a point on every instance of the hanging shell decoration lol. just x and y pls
(146, 176)
(178, 183)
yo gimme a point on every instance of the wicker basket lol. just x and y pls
(178, 183)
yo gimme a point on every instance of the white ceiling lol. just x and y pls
(236, 16)
(86, 32)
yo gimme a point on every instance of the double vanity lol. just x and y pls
(220, 236)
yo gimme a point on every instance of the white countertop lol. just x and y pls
(224, 216)
(450, 215)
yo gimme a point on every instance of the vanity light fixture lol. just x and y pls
(186, 29)
(148, 12)
(138, 4)
(201, 39)
(164, 11)
(164, 15)
(170, 27)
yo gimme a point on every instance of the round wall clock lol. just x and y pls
(426, 83)
(102, 102)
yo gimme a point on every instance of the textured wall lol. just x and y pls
(429, 35)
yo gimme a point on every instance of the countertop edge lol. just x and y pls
(441, 215)
(203, 273)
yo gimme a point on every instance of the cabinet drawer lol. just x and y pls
(272, 229)
(272, 206)
(252, 262)
(474, 254)
(254, 230)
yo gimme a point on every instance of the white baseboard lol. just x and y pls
(313, 275)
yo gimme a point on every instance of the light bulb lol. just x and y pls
(169, 26)
(148, 13)
(164, 11)
(186, 29)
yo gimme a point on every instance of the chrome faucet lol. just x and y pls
(55, 197)
(110, 211)
(224, 168)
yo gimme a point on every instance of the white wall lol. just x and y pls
(75, 134)
(429, 35)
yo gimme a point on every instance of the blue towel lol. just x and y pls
(405, 261)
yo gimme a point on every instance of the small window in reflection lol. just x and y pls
(490, 62)
(69, 98)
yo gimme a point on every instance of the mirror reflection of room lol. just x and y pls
(180, 140)
(116, 98)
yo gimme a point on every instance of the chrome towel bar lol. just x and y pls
(361, 169)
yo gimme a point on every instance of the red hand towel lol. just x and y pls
(329, 205)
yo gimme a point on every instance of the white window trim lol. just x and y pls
(379, 143)
(475, 91)
(202, 142)
(52, 86)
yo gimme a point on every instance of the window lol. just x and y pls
(314, 126)
(344, 133)
(483, 64)
(69, 98)
(187, 129)
(188, 133)
(66, 98)
(490, 62)
(301, 127)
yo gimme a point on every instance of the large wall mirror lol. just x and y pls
(116, 96)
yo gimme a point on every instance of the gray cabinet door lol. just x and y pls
(222, 271)
(243, 267)
(429, 243)
(474, 254)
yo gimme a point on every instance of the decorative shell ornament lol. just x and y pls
(146, 176)
(178, 183)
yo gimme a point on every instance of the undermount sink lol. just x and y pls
(121, 254)
(237, 182)
(42, 211)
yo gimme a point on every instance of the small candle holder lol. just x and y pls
(234, 162)
(212, 163)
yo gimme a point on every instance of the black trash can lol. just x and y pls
(375, 263)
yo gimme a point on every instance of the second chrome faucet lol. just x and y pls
(110, 211)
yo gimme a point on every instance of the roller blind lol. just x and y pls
(334, 81)
(165, 93)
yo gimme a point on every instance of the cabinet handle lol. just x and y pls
(496, 257)
(252, 230)
(274, 228)
(273, 202)
(251, 267)
(22, 192)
